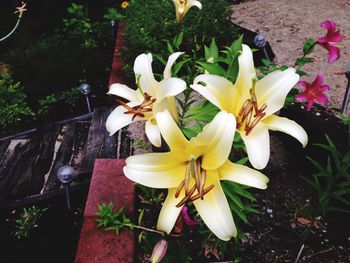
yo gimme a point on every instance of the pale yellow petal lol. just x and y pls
(287, 126)
(170, 87)
(171, 60)
(125, 92)
(169, 212)
(215, 211)
(217, 136)
(246, 74)
(274, 88)
(170, 131)
(257, 144)
(157, 170)
(143, 67)
(243, 175)
(118, 119)
(153, 133)
(218, 90)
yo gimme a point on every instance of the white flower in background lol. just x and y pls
(253, 102)
(182, 7)
(150, 97)
(192, 171)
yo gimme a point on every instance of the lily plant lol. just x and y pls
(192, 172)
(254, 103)
(149, 98)
(183, 6)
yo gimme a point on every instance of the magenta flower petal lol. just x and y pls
(318, 80)
(322, 99)
(186, 217)
(328, 42)
(334, 52)
(329, 25)
(313, 92)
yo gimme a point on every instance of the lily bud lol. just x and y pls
(159, 251)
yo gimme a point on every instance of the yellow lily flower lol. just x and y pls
(182, 7)
(253, 102)
(150, 97)
(192, 171)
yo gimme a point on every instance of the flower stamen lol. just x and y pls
(139, 110)
(250, 114)
(193, 168)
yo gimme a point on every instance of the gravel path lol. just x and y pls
(287, 24)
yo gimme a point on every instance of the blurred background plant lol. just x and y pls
(27, 221)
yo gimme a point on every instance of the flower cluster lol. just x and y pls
(192, 169)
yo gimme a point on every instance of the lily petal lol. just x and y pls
(246, 74)
(287, 126)
(143, 67)
(170, 87)
(194, 3)
(169, 212)
(170, 131)
(218, 137)
(215, 211)
(243, 175)
(117, 119)
(171, 60)
(125, 92)
(274, 88)
(157, 170)
(258, 146)
(153, 133)
(217, 90)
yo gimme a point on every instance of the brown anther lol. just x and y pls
(255, 122)
(245, 105)
(261, 110)
(139, 110)
(179, 188)
(205, 191)
(187, 197)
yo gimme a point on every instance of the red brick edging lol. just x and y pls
(108, 184)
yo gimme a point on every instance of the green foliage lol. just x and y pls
(309, 46)
(141, 144)
(112, 220)
(78, 26)
(45, 103)
(113, 14)
(70, 96)
(28, 221)
(150, 196)
(13, 102)
(150, 23)
(332, 180)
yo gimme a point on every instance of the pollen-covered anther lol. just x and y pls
(194, 170)
(139, 110)
(250, 114)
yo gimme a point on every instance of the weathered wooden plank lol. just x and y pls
(63, 157)
(109, 147)
(24, 172)
(3, 148)
(125, 148)
(95, 141)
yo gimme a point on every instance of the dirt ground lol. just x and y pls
(287, 24)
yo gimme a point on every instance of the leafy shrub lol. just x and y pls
(150, 23)
(13, 102)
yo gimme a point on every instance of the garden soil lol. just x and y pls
(287, 24)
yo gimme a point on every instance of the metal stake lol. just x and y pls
(66, 175)
(86, 89)
(260, 42)
(347, 94)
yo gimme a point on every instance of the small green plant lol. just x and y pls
(70, 96)
(13, 102)
(141, 144)
(112, 220)
(28, 221)
(46, 103)
(332, 180)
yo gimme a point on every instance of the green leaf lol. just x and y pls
(178, 39)
(202, 112)
(212, 68)
(309, 46)
(300, 62)
(177, 67)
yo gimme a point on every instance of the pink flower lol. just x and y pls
(159, 251)
(330, 40)
(186, 217)
(313, 92)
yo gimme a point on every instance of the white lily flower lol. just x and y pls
(150, 97)
(182, 7)
(192, 171)
(253, 102)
